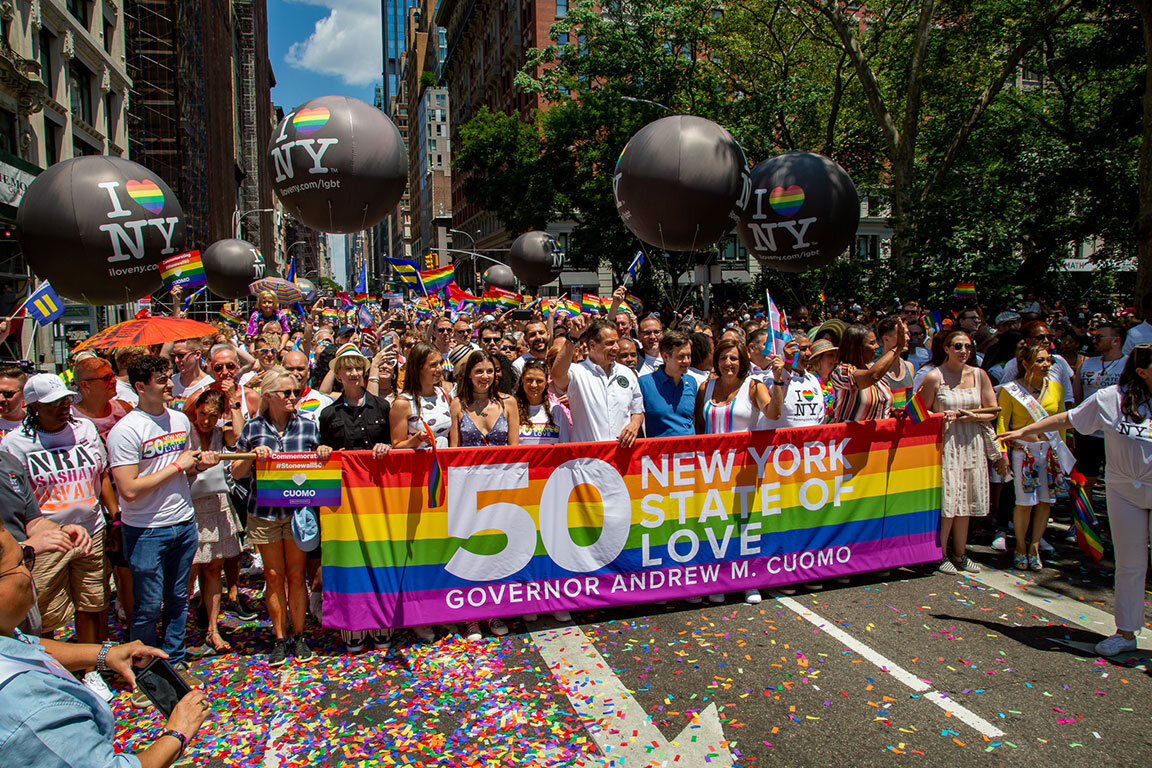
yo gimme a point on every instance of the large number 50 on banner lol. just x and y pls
(543, 528)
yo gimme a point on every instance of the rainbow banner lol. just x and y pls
(575, 526)
(437, 279)
(298, 480)
(184, 269)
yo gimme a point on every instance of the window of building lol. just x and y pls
(52, 134)
(109, 34)
(79, 9)
(868, 247)
(80, 91)
(8, 131)
(561, 8)
(111, 113)
(47, 72)
(82, 147)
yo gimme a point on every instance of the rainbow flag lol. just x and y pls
(499, 300)
(232, 317)
(184, 269)
(436, 280)
(572, 307)
(964, 291)
(590, 304)
(391, 559)
(933, 323)
(1084, 518)
(437, 494)
(634, 303)
(298, 480)
(778, 334)
(456, 295)
(916, 409)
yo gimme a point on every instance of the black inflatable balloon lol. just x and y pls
(500, 276)
(802, 213)
(97, 227)
(309, 289)
(681, 183)
(536, 258)
(338, 164)
(230, 265)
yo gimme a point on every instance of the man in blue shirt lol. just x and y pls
(670, 391)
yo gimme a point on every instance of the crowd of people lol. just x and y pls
(115, 473)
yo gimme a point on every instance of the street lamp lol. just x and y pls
(237, 216)
(648, 101)
(461, 232)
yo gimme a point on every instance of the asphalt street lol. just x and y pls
(918, 665)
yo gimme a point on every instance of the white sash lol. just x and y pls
(1064, 454)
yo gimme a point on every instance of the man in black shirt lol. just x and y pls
(490, 338)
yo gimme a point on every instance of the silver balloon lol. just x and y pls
(500, 276)
(309, 289)
(338, 164)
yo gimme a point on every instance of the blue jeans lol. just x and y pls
(160, 560)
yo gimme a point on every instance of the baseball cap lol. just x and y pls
(345, 329)
(1006, 317)
(306, 528)
(47, 388)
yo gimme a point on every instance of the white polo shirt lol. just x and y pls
(601, 403)
(650, 364)
(1140, 334)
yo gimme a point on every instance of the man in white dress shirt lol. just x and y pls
(603, 396)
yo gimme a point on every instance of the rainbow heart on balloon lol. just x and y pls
(146, 194)
(308, 121)
(786, 201)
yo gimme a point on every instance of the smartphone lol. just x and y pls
(521, 314)
(162, 685)
(399, 325)
(388, 342)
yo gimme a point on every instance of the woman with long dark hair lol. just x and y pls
(539, 424)
(1123, 413)
(860, 378)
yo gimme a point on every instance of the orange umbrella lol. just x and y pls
(146, 331)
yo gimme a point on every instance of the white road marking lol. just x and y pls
(630, 738)
(278, 726)
(940, 699)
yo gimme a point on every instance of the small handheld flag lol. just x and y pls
(778, 334)
(436, 280)
(192, 296)
(184, 269)
(437, 493)
(917, 409)
(634, 267)
(408, 273)
(44, 304)
(964, 291)
(1087, 535)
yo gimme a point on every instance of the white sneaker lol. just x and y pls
(1109, 646)
(1000, 543)
(718, 598)
(694, 600)
(95, 683)
(1045, 546)
(316, 605)
(752, 596)
(561, 615)
(425, 633)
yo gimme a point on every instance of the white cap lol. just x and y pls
(47, 388)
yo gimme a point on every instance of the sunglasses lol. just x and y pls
(109, 378)
(178, 356)
(219, 367)
(961, 346)
(287, 394)
(5, 394)
(27, 560)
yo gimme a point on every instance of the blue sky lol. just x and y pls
(323, 47)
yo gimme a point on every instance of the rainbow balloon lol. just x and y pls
(546, 528)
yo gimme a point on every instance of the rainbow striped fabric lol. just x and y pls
(232, 317)
(591, 304)
(298, 480)
(184, 269)
(436, 280)
(499, 300)
(916, 409)
(1084, 518)
(583, 525)
(964, 291)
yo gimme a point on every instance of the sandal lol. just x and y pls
(217, 643)
(1021, 562)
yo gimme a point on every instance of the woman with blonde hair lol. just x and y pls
(267, 311)
(279, 429)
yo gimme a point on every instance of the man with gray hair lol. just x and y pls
(224, 365)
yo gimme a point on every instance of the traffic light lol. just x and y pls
(431, 261)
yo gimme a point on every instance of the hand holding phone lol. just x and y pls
(162, 685)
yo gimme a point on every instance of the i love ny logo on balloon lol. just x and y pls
(308, 121)
(786, 201)
(146, 194)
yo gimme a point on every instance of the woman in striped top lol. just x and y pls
(900, 376)
(860, 379)
(733, 401)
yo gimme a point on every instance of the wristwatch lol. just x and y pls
(102, 655)
(179, 737)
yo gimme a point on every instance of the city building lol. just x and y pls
(201, 115)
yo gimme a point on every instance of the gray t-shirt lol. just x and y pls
(153, 442)
(18, 505)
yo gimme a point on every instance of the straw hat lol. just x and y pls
(348, 352)
(819, 348)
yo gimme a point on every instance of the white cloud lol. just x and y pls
(346, 43)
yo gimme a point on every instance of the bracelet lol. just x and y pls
(777, 382)
(179, 469)
(179, 737)
(373, 378)
(102, 656)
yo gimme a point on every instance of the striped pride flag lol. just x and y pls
(591, 304)
(436, 280)
(298, 480)
(184, 269)
(964, 291)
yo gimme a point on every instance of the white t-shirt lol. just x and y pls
(7, 425)
(125, 392)
(518, 363)
(1095, 374)
(650, 364)
(1060, 372)
(803, 403)
(540, 430)
(601, 403)
(181, 394)
(311, 402)
(1127, 444)
(1140, 334)
(66, 470)
(153, 442)
(247, 376)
